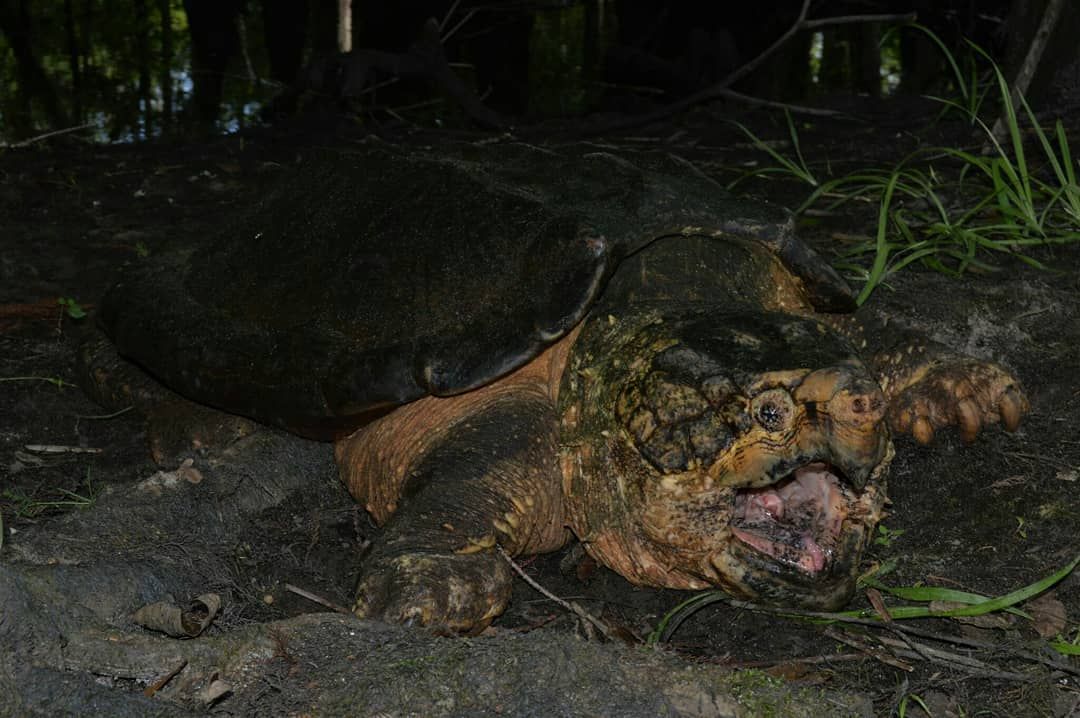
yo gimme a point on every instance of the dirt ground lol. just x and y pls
(989, 518)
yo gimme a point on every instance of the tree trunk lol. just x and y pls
(165, 9)
(74, 59)
(34, 84)
(214, 42)
(142, 56)
(1057, 77)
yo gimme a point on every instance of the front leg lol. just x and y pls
(954, 391)
(930, 386)
(452, 479)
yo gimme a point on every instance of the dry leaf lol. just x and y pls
(1047, 614)
(214, 692)
(177, 622)
(170, 480)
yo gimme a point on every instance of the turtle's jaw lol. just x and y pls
(798, 541)
(797, 521)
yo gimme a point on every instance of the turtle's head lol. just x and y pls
(730, 470)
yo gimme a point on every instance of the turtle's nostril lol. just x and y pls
(858, 405)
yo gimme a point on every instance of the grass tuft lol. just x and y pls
(950, 209)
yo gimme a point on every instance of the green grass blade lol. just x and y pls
(934, 593)
(801, 172)
(680, 613)
(958, 76)
(983, 607)
(794, 133)
(881, 254)
(1065, 649)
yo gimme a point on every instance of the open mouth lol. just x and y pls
(797, 521)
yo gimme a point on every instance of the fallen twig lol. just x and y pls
(913, 650)
(954, 660)
(53, 449)
(875, 652)
(110, 415)
(1056, 664)
(568, 605)
(803, 660)
(317, 599)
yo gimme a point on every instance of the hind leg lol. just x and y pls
(175, 425)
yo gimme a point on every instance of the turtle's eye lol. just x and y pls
(773, 410)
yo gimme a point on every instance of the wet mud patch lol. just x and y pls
(90, 536)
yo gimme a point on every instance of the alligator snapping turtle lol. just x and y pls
(508, 342)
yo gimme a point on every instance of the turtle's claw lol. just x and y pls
(1012, 406)
(922, 430)
(965, 393)
(968, 419)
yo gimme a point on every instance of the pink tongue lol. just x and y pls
(813, 494)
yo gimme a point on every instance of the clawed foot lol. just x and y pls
(452, 593)
(965, 393)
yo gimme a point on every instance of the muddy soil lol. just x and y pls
(82, 503)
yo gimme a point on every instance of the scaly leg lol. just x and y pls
(452, 478)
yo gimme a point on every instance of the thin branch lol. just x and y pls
(875, 652)
(954, 660)
(721, 88)
(803, 24)
(111, 415)
(468, 16)
(1031, 60)
(241, 33)
(827, 659)
(1056, 664)
(54, 449)
(317, 599)
(47, 135)
(449, 14)
(568, 605)
(775, 105)
(896, 626)
(749, 67)
(907, 17)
